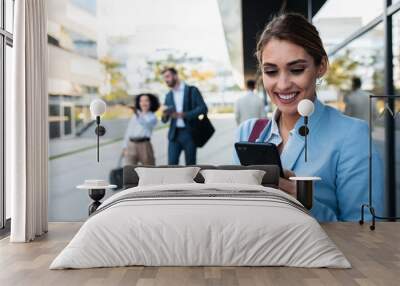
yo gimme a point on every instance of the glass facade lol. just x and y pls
(2, 138)
(396, 51)
(339, 19)
(362, 55)
(9, 15)
(396, 81)
(8, 83)
(363, 58)
(78, 43)
(88, 5)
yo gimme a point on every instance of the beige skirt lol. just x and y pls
(139, 152)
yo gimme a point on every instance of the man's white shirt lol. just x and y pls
(178, 99)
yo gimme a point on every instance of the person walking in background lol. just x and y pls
(357, 102)
(249, 105)
(183, 104)
(137, 147)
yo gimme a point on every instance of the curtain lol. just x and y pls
(28, 121)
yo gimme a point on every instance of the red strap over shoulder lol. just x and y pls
(257, 128)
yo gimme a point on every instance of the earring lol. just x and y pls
(319, 81)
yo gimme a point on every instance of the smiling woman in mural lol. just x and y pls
(292, 59)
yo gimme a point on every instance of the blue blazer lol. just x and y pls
(191, 112)
(338, 151)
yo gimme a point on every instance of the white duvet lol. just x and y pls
(200, 231)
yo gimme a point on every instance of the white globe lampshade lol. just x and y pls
(97, 107)
(305, 107)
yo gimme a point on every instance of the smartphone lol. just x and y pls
(258, 154)
(169, 109)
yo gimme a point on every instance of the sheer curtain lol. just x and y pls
(27, 123)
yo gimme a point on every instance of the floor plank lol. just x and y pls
(374, 255)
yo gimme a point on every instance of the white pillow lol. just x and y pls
(164, 176)
(248, 177)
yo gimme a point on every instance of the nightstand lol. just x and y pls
(305, 189)
(97, 190)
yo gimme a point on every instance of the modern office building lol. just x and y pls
(75, 73)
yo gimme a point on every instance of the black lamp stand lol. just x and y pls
(303, 131)
(100, 131)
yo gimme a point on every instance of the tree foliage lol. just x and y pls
(341, 70)
(344, 67)
(115, 80)
(156, 68)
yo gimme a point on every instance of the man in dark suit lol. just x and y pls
(183, 103)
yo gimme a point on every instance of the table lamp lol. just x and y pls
(97, 108)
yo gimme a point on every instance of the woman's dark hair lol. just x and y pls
(296, 29)
(154, 102)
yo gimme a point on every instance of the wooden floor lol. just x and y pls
(374, 255)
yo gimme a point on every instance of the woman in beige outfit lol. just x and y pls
(137, 145)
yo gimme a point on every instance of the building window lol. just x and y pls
(360, 52)
(396, 112)
(339, 19)
(6, 42)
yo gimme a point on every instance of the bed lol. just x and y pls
(201, 224)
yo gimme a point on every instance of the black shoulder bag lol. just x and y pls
(201, 126)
